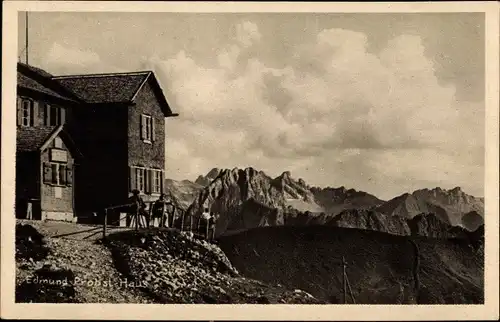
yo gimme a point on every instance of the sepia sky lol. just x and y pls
(384, 103)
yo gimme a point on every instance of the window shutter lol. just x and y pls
(46, 116)
(132, 178)
(143, 127)
(41, 107)
(55, 172)
(63, 174)
(153, 134)
(34, 113)
(19, 111)
(47, 173)
(69, 176)
(161, 181)
(63, 115)
(147, 181)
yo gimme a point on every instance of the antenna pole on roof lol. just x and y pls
(26, 50)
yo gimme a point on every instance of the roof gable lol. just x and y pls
(159, 94)
(114, 88)
(104, 88)
(30, 139)
(38, 80)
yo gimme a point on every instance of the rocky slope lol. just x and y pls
(64, 270)
(157, 266)
(430, 225)
(472, 220)
(244, 199)
(248, 198)
(371, 220)
(173, 267)
(448, 205)
(182, 192)
(226, 194)
(381, 267)
(205, 180)
(335, 200)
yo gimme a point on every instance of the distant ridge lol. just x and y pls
(248, 198)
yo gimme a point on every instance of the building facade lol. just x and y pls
(121, 132)
(117, 126)
(45, 153)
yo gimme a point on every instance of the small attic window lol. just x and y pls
(58, 143)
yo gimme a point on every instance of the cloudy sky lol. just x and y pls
(385, 103)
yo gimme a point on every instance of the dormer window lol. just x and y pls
(147, 128)
(26, 114)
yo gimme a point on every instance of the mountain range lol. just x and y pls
(249, 198)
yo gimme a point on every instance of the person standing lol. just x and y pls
(205, 222)
(212, 224)
(138, 208)
(159, 211)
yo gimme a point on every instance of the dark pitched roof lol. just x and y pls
(38, 80)
(105, 88)
(41, 72)
(32, 138)
(113, 87)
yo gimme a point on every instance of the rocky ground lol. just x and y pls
(174, 267)
(382, 268)
(160, 266)
(71, 270)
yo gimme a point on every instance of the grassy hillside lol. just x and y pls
(380, 266)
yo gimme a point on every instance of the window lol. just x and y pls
(140, 179)
(57, 174)
(53, 115)
(149, 181)
(147, 128)
(156, 181)
(26, 112)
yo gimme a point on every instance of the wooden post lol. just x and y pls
(137, 219)
(344, 280)
(208, 227)
(151, 219)
(105, 223)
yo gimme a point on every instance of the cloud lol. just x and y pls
(336, 113)
(61, 59)
(247, 33)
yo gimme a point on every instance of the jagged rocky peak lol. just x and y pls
(208, 178)
(213, 173)
(286, 176)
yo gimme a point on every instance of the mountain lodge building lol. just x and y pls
(98, 137)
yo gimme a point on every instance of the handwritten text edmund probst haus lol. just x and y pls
(121, 283)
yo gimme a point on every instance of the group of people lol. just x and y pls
(163, 210)
(206, 224)
(160, 210)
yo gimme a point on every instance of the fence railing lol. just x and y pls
(175, 219)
